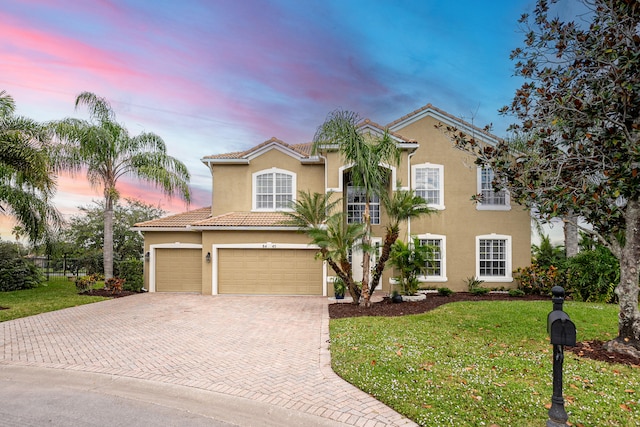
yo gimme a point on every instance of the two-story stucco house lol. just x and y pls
(239, 245)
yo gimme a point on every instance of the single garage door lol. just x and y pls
(269, 272)
(178, 270)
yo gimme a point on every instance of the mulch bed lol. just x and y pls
(589, 349)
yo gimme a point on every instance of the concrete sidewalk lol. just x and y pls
(266, 354)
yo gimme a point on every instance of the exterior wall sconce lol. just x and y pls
(147, 256)
(208, 257)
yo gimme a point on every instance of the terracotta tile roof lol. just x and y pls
(179, 220)
(442, 112)
(383, 128)
(303, 150)
(245, 219)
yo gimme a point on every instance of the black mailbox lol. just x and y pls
(561, 329)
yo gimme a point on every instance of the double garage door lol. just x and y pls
(241, 271)
(269, 272)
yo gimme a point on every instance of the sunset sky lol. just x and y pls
(212, 76)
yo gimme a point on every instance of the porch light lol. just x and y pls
(147, 256)
(208, 257)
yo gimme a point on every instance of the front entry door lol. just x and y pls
(357, 258)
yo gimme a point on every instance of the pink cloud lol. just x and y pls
(76, 191)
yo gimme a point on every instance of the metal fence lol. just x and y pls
(61, 267)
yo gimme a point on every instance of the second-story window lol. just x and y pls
(273, 190)
(356, 200)
(428, 183)
(490, 198)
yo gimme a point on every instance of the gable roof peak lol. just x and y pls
(301, 151)
(441, 115)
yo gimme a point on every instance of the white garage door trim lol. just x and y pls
(152, 258)
(266, 246)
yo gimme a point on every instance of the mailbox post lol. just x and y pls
(562, 332)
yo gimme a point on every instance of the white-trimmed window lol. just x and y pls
(273, 190)
(493, 258)
(428, 183)
(356, 200)
(437, 266)
(490, 199)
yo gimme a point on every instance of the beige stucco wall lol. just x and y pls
(232, 184)
(461, 221)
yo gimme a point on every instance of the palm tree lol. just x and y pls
(26, 182)
(335, 239)
(329, 231)
(402, 206)
(107, 151)
(365, 152)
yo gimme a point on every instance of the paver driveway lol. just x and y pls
(273, 350)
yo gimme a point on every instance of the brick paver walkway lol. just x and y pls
(269, 349)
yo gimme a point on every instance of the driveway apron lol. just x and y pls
(272, 350)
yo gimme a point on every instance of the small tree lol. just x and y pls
(579, 114)
(84, 234)
(401, 206)
(410, 260)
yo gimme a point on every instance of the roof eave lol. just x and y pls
(183, 228)
(245, 228)
(225, 161)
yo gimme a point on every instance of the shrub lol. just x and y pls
(131, 270)
(475, 287)
(516, 293)
(538, 280)
(445, 292)
(410, 260)
(592, 276)
(339, 287)
(86, 283)
(114, 285)
(479, 291)
(16, 272)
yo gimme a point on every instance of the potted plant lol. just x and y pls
(339, 288)
(396, 297)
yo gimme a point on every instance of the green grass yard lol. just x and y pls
(485, 364)
(53, 295)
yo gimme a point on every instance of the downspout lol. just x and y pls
(325, 272)
(409, 156)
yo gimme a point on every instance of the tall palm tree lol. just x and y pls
(365, 152)
(26, 182)
(107, 151)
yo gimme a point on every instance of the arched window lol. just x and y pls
(273, 190)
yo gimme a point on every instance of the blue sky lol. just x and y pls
(218, 76)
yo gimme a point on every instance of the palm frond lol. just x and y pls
(310, 210)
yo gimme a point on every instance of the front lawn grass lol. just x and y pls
(55, 294)
(485, 364)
